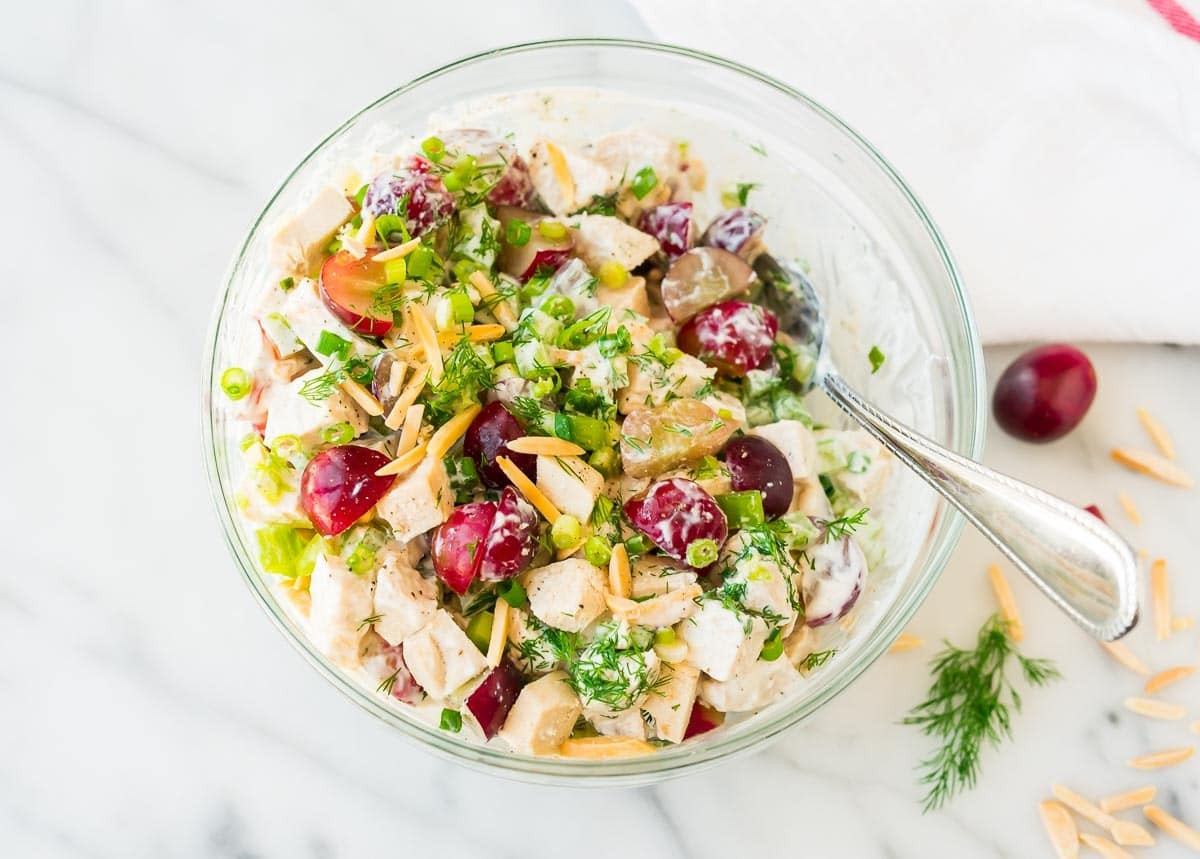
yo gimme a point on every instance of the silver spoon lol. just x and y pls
(1076, 560)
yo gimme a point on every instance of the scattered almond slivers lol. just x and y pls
(398, 251)
(543, 445)
(474, 333)
(1182, 623)
(1130, 834)
(1104, 847)
(527, 488)
(1173, 826)
(620, 579)
(451, 431)
(1082, 807)
(1153, 465)
(408, 396)
(498, 306)
(1165, 758)
(1163, 679)
(1131, 511)
(427, 340)
(362, 396)
(1195, 727)
(599, 748)
(1158, 434)
(1160, 592)
(499, 637)
(905, 642)
(1129, 799)
(412, 428)
(403, 463)
(1007, 603)
(1060, 828)
(1155, 709)
(1119, 651)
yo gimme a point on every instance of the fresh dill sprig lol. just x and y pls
(815, 660)
(967, 705)
(367, 621)
(844, 526)
(465, 375)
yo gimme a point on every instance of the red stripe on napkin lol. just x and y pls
(1180, 19)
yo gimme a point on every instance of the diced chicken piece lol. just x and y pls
(282, 338)
(568, 595)
(383, 663)
(529, 649)
(297, 245)
(810, 499)
(768, 588)
(567, 180)
(797, 444)
(404, 599)
(307, 316)
(575, 282)
(654, 575)
(652, 382)
(603, 238)
(720, 641)
(605, 374)
(341, 601)
(543, 716)
(441, 657)
(269, 489)
(627, 723)
(728, 408)
(476, 239)
(857, 462)
(289, 413)
(624, 153)
(570, 483)
(418, 501)
(660, 611)
(670, 707)
(629, 302)
(755, 686)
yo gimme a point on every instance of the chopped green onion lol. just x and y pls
(612, 274)
(643, 182)
(553, 230)
(453, 182)
(858, 462)
(360, 195)
(512, 593)
(279, 546)
(546, 385)
(588, 433)
(597, 551)
(701, 553)
(339, 433)
(359, 370)
(743, 509)
(534, 287)
(235, 383)
(566, 531)
(288, 445)
(638, 544)
(773, 646)
(503, 353)
(434, 148)
(666, 635)
(585, 331)
(464, 268)
(451, 720)
(560, 307)
(287, 283)
(389, 225)
(461, 309)
(479, 629)
(330, 344)
(517, 233)
(333, 247)
(419, 261)
(876, 357)
(395, 270)
(606, 460)
(361, 560)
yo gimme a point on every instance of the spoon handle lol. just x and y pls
(1085, 568)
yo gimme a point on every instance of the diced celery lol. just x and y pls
(395, 270)
(279, 547)
(479, 629)
(742, 509)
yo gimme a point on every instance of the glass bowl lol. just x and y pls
(871, 249)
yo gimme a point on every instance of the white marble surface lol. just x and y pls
(147, 707)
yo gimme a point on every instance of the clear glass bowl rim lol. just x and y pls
(668, 762)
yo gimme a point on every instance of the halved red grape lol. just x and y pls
(385, 663)
(738, 230)
(733, 336)
(494, 697)
(339, 485)
(1045, 392)
(426, 201)
(348, 288)
(495, 159)
(755, 463)
(834, 573)
(671, 224)
(675, 512)
(513, 539)
(487, 438)
(457, 547)
(702, 721)
(701, 278)
(1095, 511)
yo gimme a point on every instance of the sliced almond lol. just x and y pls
(1163, 679)
(601, 748)
(905, 642)
(401, 250)
(1155, 709)
(403, 463)
(1173, 826)
(527, 488)
(1153, 465)
(1083, 807)
(1104, 847)
(474, 333)
(362, 396)
(1060, 828)
(545, 445)
(1129, 799)
(1007, 603)
(412, 428)
(1165, 758)
(1131, 834)
(1182, 623)
(1157, 433)
(427, 340)
(366, 230)
(412, 390)
(1131, 511)
(1120, 651)
(494, 302)
(1195, 727)
(1160, 593)
(495, 651)
(451, 431)
(620, 579)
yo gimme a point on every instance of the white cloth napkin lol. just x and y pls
(1057, 145)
